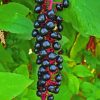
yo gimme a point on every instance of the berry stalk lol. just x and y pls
(47, 33)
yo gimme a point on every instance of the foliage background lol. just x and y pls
(18, 71)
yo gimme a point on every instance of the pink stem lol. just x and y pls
(51, 3)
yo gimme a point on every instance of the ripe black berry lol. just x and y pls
(59, 59)
(37, 45)
(43, 31)
(43, 53)
(51, 88)
(51, 14)
(46, 44)
(46, 76)
(41, 18)
(41, 82)
(42, 69)
(38, 61)
(50, 97)
(56, 90)
(36, 24)
(52, 56)
(59, 19)
(39, 93)
(56, 45)
(50, 25)
(59, 7)
(35, 33)
(39, 1)
(65, 3)
(45, 63)
(60, 27)
(39, 38)
(53, 68)
(58, 77)
(38, 8)
(60, 67)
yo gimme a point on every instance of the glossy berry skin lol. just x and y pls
(41, 82)
(36, 24)
(50, 25)
(46, 44)
(52, 56)
(35, 33)
(46, 76)
(58, 83)
(43, 31)
(58, 77)
(59, 19)
(39, 38)
(43, 53)
(42, 69)
(39, 1)
(38, 8)
(41, 18)
(65, 3)
(59, 36)
(38, 61)
(50, 97)
(60, 67)
(38, 93)
(56, 90)
(60, 27)
(51, 14)
(56, 46)
(59, 59)
(51, 88)
(53, 68)
(37, 45)
(54, 35)
(59, 7)
(45, 63)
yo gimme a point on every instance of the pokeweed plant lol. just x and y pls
(69, 69)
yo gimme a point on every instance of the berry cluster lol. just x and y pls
(47, 32)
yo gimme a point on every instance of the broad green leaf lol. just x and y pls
(5, 56)
(88, 89)
(27, 3)
(79, 44)
(14, 8)
(12, 84)
(84, 16)
(2, 69)
(23, 70)
(82, 71)
(73, 84)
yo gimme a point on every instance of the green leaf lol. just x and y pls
(23, 70)
(14, 8)
(5, 56)
(87, 89)
(79, 44)
(16, 22)
(84, 16)
(12, 84)
(73, 84)
(2, 69)
(82, 71)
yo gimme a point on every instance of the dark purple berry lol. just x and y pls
(38, 8)
(43, 53)
(36, 24)
(45, 63)
(42, 69)
(59, 19)
(39, 1)
(39, 93)
(50, 97)
(59, 59)
(35, 32)
(53, 68)
(39, 38)
(56, 45)
(46, 76)
(41, 18)
(58, 77)
(52, 56)
(65, 3)
(56, 90)
(60, 67)
(50, 25)
(59, 7)
(51, 14)
(51, 88)
(46, 44)
(43, 31)
(60, 27)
